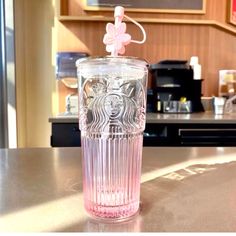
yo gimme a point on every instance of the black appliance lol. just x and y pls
(151, 105)
(172, 81)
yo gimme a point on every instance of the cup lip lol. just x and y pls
(124, 59)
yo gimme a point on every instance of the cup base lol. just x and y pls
(112, 213)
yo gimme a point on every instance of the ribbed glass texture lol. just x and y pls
(112, 175)
(112, 113)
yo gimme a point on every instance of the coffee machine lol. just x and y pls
(174, 88)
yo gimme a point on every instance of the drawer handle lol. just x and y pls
(197, 130)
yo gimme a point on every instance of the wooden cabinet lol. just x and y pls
(169, 36)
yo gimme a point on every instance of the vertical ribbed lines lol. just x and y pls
(111, 170)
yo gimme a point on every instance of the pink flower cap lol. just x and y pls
(116, 37)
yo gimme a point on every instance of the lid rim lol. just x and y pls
(84, 60)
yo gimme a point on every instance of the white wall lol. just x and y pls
(35, 81)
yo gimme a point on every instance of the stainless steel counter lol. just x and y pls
(193, 118)
(183, 189)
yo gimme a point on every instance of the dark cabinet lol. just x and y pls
(159, 134)
(65, 135)
(190, 135)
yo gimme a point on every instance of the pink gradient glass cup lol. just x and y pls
(112, 117)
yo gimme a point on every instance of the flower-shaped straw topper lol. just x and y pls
(116, 37)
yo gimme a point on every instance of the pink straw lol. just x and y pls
(116, 37)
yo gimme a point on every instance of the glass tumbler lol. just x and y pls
(112, 117)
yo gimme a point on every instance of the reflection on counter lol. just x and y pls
(132, 225)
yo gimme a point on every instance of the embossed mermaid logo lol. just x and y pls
(112, 106)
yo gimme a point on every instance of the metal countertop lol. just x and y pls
(160, 118)
(183, 189)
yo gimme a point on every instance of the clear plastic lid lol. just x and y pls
(111, 60)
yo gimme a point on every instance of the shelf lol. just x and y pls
(85, 18)
(150, 20)
(61, 16)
